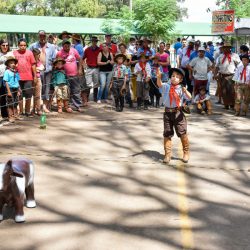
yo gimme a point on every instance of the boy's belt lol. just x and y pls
(226, 74)
(172, 110)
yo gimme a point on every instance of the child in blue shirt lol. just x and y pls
(11, 80)
(174, 93)
(60, 83)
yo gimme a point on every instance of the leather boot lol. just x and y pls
(209, 107)
(185, 146)
(168, 149)
(66, 106)
(146, 105)
(237, 109)
(59, 106)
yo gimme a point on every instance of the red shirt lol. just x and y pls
(91, 54)
(24, 66)
(112, 48)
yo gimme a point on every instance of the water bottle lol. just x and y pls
(43, 120)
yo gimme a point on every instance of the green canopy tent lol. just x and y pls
(87, 26)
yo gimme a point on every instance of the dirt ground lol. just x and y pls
(100, 183)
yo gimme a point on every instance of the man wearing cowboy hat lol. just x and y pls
(47, 56)
(76, 43)
(65, 35)
(92, 69)
(145, 49)
(112, 47)
(226, 66)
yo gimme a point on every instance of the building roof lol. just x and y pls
(51, 24)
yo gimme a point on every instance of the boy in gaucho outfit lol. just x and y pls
(118, 82)
(226, 66)
(174, 93)
(242, 86)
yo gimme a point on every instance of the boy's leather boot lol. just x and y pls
(185, 146)
(168, 149)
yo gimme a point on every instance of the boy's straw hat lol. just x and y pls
(59, 59)
(120, 55)
(10, 58)
(227, 44)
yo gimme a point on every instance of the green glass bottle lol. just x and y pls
(43, 120)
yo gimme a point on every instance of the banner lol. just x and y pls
(223, 22)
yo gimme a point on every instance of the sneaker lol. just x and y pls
(99, 102)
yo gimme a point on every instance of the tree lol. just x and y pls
(154, 18)
(241, 7)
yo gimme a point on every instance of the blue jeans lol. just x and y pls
(105, 78)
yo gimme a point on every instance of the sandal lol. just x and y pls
(69, 110)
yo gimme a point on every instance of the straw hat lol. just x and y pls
(58, 59)
(10, 58)
(120, 55)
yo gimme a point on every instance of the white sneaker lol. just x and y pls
(99, 102)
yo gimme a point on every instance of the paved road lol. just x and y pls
(101, 184)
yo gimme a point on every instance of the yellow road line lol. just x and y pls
(186, 228)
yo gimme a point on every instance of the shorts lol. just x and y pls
(12, 101)
(174, 121)
(27, 88)
(62, 92)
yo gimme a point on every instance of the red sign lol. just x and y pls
(223, 22)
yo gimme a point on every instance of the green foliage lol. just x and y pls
(241, 7)
(156, 17)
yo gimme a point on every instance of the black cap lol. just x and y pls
(245, 56)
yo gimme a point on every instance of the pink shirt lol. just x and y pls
(163, 58)
(71, 59)
(25, 62)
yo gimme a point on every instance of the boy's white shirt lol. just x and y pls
(238, 72)
(139, 69)
(197, 98)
